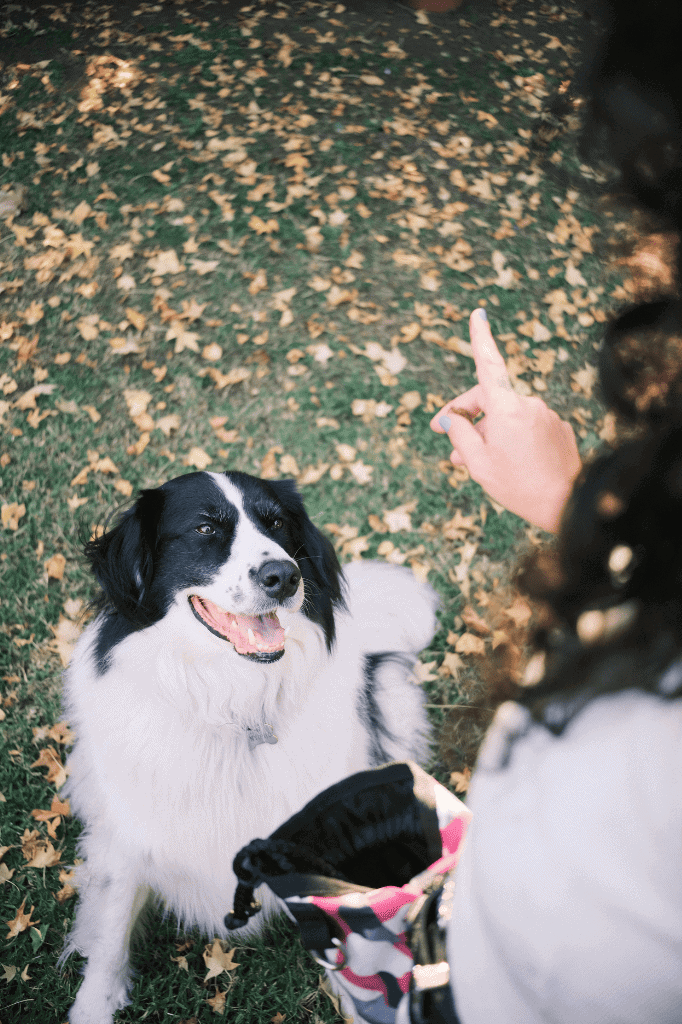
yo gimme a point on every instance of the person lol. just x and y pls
(567, 904)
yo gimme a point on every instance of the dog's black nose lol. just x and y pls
(279, 580)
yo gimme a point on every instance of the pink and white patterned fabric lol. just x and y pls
(370, 970)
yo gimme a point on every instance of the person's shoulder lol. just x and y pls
(631, 720)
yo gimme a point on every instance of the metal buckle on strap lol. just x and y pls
(323, 962)
(428, 976)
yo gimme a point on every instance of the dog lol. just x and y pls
(232, 672)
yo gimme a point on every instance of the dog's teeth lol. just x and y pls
(286, 630)
(252, 639)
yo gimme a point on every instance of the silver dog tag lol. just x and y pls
(260, 734)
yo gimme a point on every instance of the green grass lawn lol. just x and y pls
(254, 244)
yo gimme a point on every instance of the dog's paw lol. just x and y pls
(97, 1001)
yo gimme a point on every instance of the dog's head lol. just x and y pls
(233, 547)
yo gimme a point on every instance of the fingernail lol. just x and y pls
(482, 315)
(445, 422)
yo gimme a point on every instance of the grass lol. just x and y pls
(119, 147)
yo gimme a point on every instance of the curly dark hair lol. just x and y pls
(610, 588)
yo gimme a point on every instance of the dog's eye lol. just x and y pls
(206, 530)
(276, 524)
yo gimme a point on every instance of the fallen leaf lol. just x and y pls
(198, 458)
(11, 514)
(217, 1003)
(66, 633)
(467, 643)
(361, 472)
(520, 612)
(21, 922)
(55, 567)
(461, 780)
(202, 267)
(49, 758)
(218, 959)
(166, 262)
(399, 518)
(138, 320)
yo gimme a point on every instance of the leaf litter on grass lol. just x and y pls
(253, 242)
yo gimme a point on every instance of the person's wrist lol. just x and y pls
(554, 505)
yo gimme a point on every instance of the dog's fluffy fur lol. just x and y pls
(186, 749)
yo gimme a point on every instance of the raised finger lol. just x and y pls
(490, 365)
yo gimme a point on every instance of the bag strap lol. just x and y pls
(430, 1000)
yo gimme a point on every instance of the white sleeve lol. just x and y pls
(568, 901)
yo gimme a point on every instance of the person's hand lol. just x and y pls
(520, 452)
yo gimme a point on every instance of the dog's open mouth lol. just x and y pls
(259, 637)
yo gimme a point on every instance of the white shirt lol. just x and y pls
(568, 900)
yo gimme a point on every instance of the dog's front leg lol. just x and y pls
(106, 915)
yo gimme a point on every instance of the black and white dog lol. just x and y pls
(232, 673)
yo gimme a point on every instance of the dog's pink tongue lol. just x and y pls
(250, 634)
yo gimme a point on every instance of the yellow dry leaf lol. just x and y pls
(585, 379)
(183, 338)
(319, 284)
(452, 663)
(217, 1003)
(218, 959)
(336, 296)
(198, 458)
(409, 332)
(361, 472)
(353, 548)
(378, 525)
(33, 313)
(202, 267)
(137, 319)
(311, 474)
(28, 399)
(468, 643)
(168, 423)
(137, 401)
(123, 251)
(55, 567)
(224, 380)
(355, 260)
(461, 780)
(21, 922)
(259, 282)
(263, 227)
(520, 612)
(49, 758)
(314, 238)
(411, 400)
(399, 518)
(321, 353)
(573, 276)
(44, 855)
(11, 514)
(212, 352)
(123, 487)
(288, 466)
(87, 326)
(166, 262)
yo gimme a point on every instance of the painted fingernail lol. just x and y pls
(482, 315)
(445, 422)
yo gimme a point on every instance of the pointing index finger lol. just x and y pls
(490, 365)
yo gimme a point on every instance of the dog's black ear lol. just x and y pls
(122, 560)
(321, 570)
